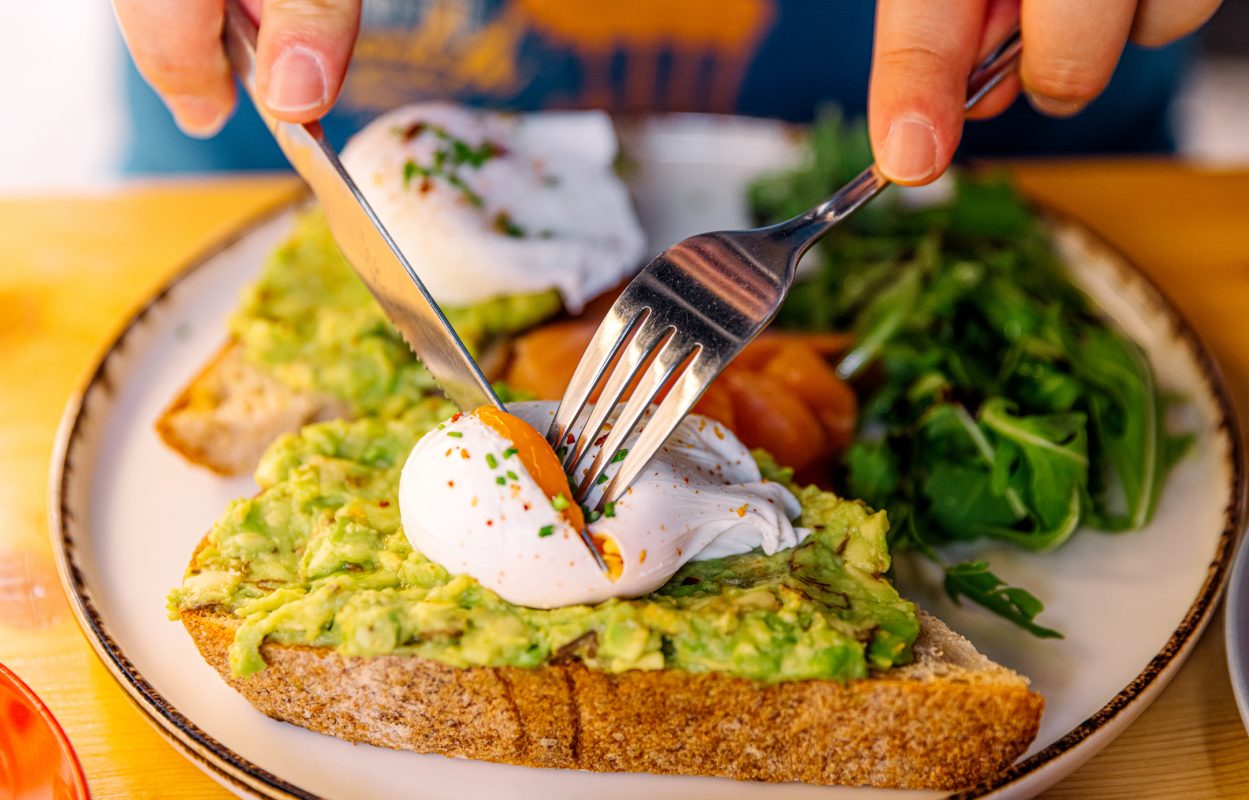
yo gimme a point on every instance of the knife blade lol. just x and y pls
(362, 238)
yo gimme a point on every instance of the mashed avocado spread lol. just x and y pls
(312, 324)
(318, 557)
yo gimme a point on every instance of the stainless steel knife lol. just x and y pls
(362, 238)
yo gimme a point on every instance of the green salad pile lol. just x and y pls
(995, 402)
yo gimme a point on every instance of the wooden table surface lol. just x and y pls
(72, 268)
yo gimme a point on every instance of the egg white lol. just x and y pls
(552, 179)
(701, 497)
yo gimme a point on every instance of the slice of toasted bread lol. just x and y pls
(231, 411)
(949, 720)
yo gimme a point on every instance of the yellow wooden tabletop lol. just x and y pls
(72, 268)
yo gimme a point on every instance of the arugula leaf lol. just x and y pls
(1128, 427)
(872, 472)
(880, 320)
(1017, 479)
(1047, 457)
(973, 580)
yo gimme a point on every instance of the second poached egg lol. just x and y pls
(485, 204)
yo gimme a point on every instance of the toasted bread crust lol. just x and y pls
(231, 411)
(950, 720)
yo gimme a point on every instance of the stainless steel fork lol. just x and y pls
(690, 311)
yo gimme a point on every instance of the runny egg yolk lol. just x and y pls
(537, 457)
(610, 551)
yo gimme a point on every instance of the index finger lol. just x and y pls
(176, 45)
(1072, 47)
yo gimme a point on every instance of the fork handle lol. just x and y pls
(806, 229)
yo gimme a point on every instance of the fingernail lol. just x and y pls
(296, 81)
(910, 151)
(197, 116)
(1053, 107)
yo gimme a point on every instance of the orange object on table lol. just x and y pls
(36, 759)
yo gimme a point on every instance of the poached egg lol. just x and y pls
(485, 495)
(485, 204)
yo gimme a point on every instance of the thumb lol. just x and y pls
(302, 53)
(922, 56)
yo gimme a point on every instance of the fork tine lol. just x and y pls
(675, 352)
(648, 338)
(611, 335)
(681, 398)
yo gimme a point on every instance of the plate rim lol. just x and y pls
(218, 761)
(240, 774)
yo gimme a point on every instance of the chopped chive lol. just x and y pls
(442, 426)
(620, 455)
(504, 224)
(509, 452)
(602, 479)
(593, 516)
(409, 172)
(559, 502)
(562, 450)
(500, 480)
(456, 434)
(472, 197)
(609, 510)
(546, 530)
(492, 461)
(513, 475)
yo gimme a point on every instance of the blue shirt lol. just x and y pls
(772, 58)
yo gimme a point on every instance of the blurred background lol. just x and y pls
(65, 125)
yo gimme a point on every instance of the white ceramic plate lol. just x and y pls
(126, 514)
